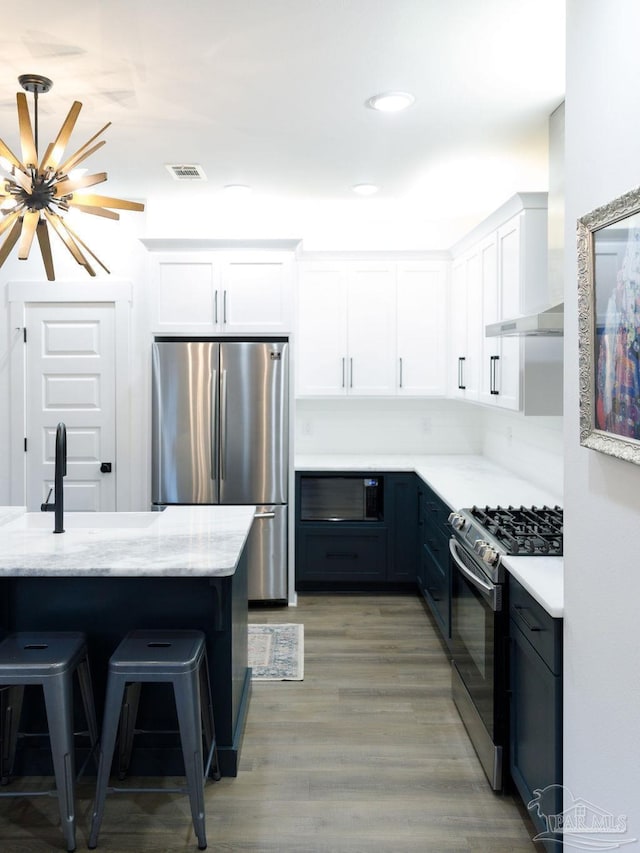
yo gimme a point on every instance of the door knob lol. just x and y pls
(105, 468)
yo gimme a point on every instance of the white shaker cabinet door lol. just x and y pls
(255, 295)
(507, 376)
(371, 369)
(321, 362)
(422, 326)
(184, 293)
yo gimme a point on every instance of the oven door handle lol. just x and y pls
(490, 593)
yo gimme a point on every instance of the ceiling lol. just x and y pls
(271, 93)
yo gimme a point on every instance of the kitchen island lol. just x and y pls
(110, 573)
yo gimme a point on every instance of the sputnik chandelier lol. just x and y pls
(37, 191)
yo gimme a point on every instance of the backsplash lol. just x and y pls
(387, 426)
(527, 446)
(530, 447)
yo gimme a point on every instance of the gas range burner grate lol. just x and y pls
(524, 531)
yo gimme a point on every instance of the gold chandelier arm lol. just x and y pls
(97, 211)
(10, 241)
(76, 157)
(84, 246)
(91, 200)
(60, 143)
(75, 161)
(27, 142)
(19, 177)
(42, 233)
(69, 186)
(8, 222)
(29, 224)
(62, 232)
(8, 154)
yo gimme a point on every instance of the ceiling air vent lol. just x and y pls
(186, 172)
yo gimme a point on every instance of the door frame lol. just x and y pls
(20, 295)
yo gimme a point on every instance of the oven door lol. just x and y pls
(478, 659)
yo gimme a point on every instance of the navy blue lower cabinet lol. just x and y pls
(535, 759)
(434, 573)
(401, 503)
(343, 553)
(375, 552)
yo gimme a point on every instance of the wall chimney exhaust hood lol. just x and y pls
(544, 323)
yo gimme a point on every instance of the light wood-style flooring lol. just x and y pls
(367, 754)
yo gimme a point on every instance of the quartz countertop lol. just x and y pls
(180, 541)
(462, 481)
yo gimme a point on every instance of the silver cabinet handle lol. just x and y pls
(224, 307)
(265, 515)
(343, 361)
(400, 372)
(215, 307)
(350, 373)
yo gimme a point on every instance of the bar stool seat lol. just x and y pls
(47, 659)
(178, 658)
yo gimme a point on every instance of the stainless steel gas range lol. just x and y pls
(482, 536)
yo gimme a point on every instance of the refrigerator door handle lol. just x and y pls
(214, 425)
(223, 423)
(265, 515)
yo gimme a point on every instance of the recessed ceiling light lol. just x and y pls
(237, 190)
(365, 189)
(390, 102)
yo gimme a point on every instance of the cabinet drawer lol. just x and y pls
(543, 631)
(343, 555)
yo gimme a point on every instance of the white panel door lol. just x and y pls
(70, 377)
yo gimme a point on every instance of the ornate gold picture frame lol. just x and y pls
(609, 327)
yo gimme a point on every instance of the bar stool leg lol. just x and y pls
(11, 710)
(128, 717)
(58, 697)
(187, 693)
(86, 691)
(208, 724)
(115, 689)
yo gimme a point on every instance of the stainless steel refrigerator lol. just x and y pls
(220, 436)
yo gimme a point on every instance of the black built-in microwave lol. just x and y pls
(341, 498)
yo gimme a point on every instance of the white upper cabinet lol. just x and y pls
(371, 328)
(421, 327)
(465, 350)
(204, 293)
(321, 351)
(506, 257)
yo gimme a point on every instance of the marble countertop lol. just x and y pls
(181, 541)
(462, 481)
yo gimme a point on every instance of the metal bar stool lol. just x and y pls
(179, 658)
(47, 659)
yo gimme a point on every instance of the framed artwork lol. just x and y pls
(609, 327)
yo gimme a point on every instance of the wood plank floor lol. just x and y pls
(366, 754)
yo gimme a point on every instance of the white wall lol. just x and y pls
(602, 495)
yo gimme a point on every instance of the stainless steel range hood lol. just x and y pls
(544, 323)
